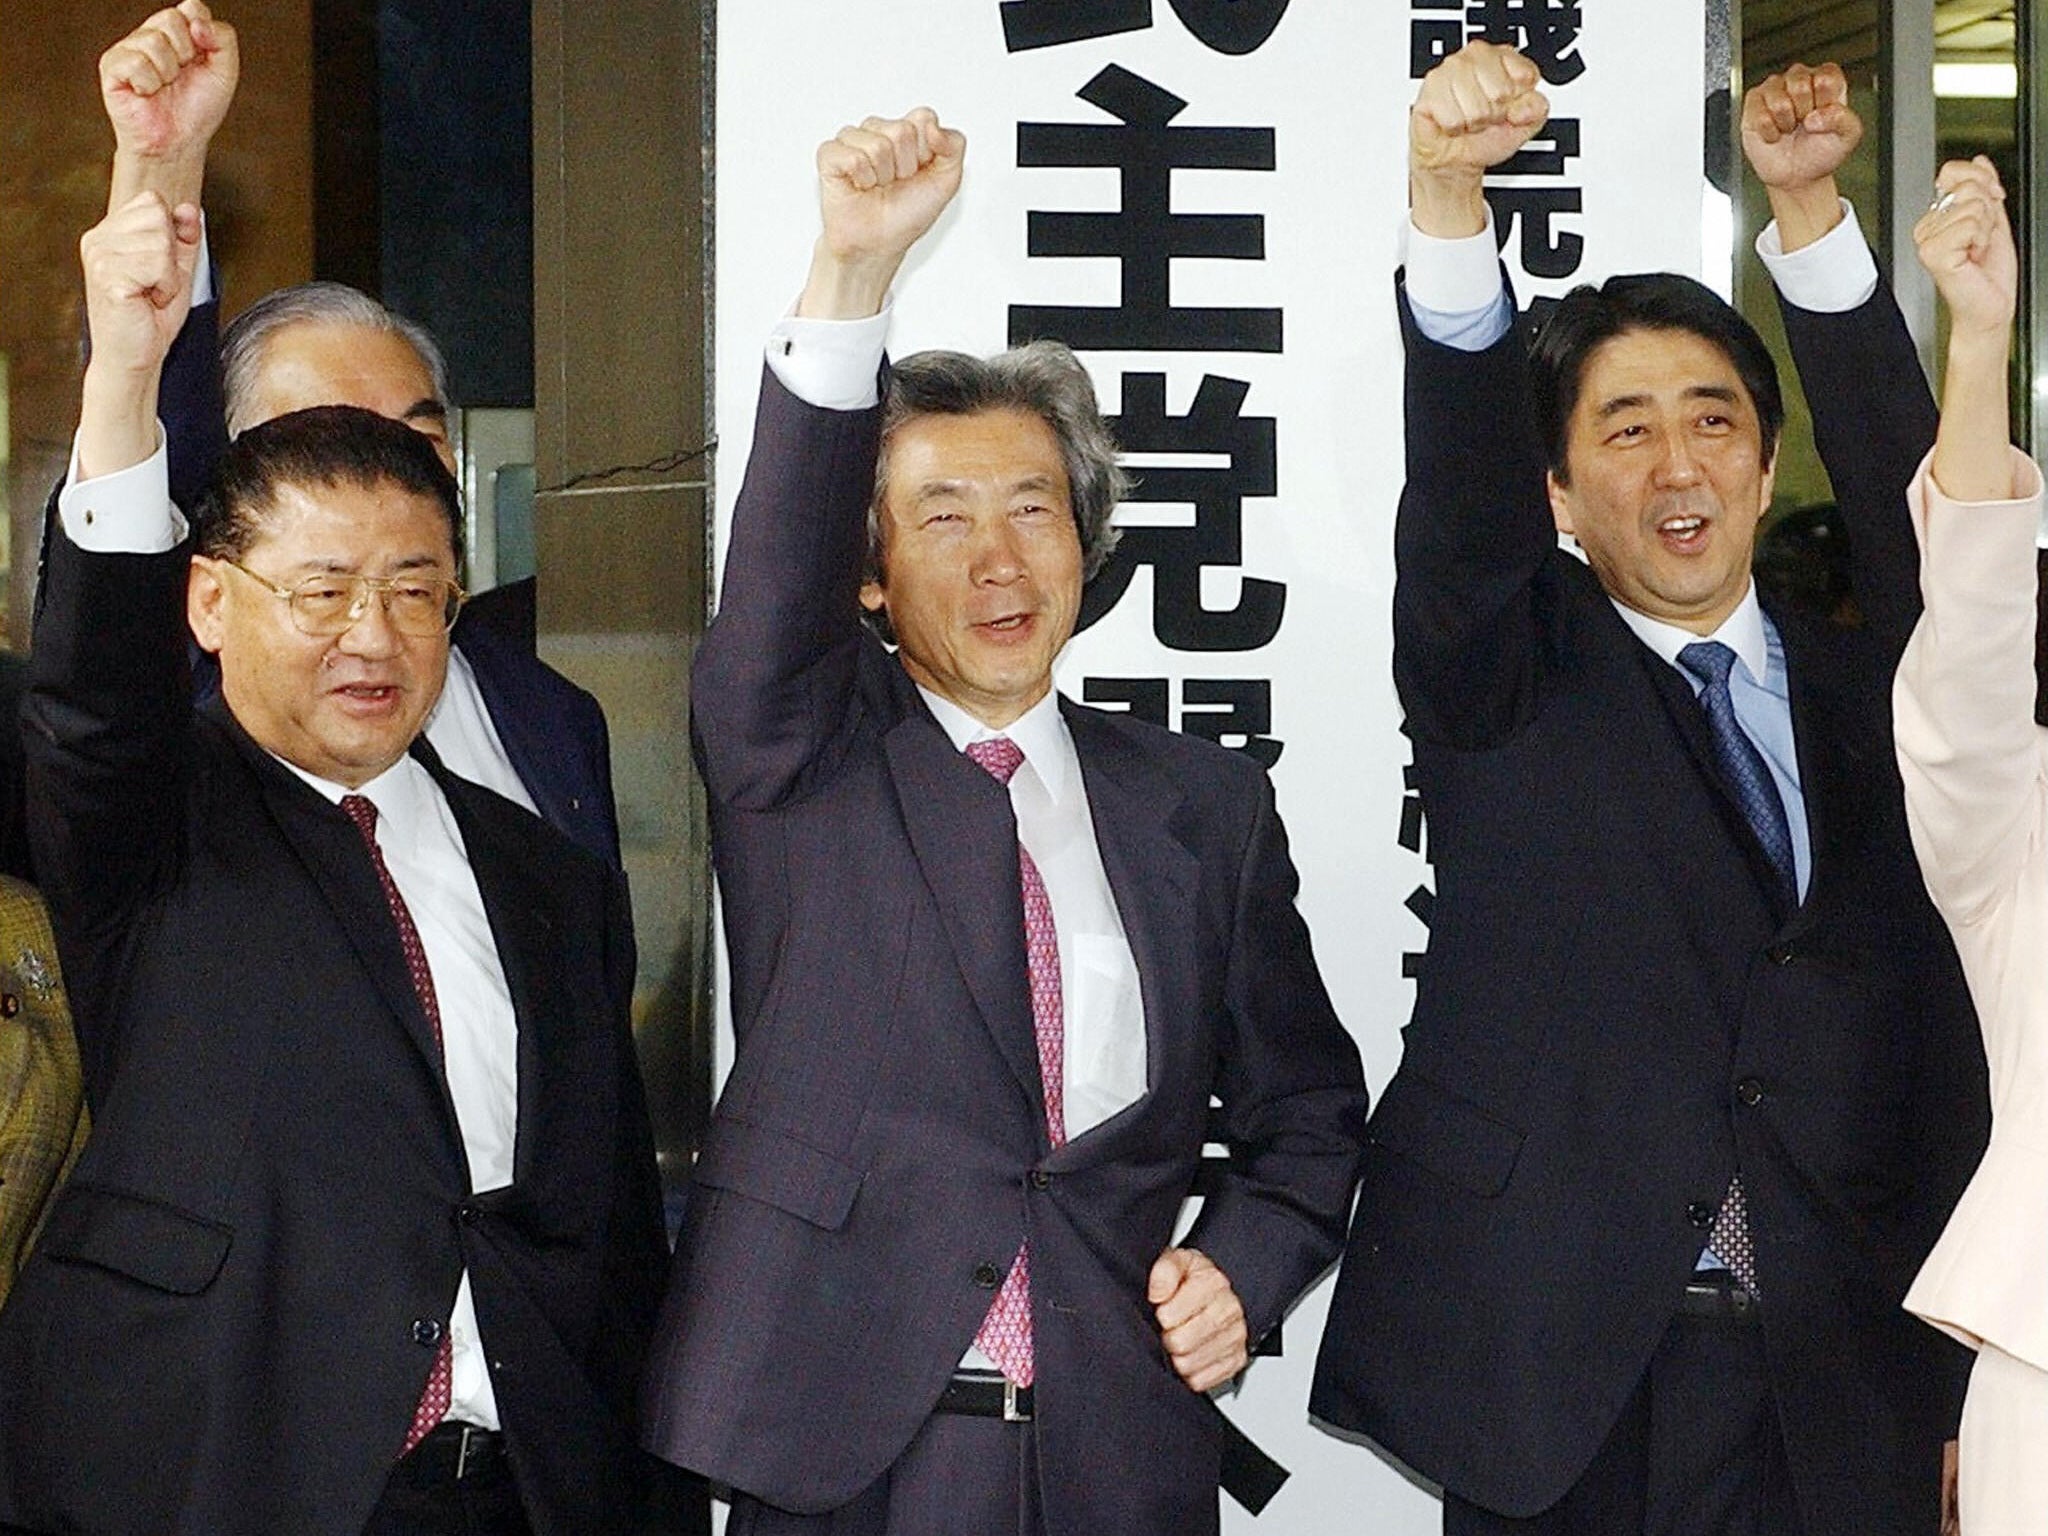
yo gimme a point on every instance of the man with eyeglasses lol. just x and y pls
(505, 719)
(367, 1237)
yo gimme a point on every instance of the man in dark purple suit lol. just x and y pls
(993, 957)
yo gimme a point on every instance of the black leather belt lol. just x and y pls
(1715, 1293)
(986, 1397)
(451, 1452)
(1249, 1475)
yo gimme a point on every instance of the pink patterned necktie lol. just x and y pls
(1730, 1237)
(1005, 1335)
(361, 810)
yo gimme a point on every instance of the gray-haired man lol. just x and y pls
(992, 956)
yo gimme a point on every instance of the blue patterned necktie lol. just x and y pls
(1743, 768)
(1746, 774)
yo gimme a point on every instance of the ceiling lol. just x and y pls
(1777, 32)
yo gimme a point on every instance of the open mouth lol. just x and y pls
(367, 695)
(1685, 534)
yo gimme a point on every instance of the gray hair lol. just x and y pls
(321, 303)
(1042, 378)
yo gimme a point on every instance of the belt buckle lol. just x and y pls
(462, 1453)
(1010, 1413)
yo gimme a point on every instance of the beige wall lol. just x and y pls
(54, 147)
(619, 380)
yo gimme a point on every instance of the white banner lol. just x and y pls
(1204, 198)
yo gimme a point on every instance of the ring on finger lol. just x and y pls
(1943, 201)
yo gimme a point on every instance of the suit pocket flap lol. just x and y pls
(1448, 1135)
(157, 1244)
(772, 1166)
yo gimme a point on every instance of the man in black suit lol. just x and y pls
(367, 1236)
(993, 954)
(506, 719)
(1692, 1081)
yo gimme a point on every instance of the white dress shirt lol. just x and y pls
(1829, 276)
(131, 512)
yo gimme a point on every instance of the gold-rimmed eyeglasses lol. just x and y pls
(327, 604)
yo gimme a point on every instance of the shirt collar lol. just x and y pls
(398, 792)
(1742, 632)
(1040, 734)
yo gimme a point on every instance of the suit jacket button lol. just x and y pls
(469, 1213)
(1700, 1214)
(1781, 954)
(426, 1332)
(987, 1276)
(1750, 1092)
(1040, 1179)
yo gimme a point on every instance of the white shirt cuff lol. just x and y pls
(128, 512)
(831, 364)
(1452, 277)
(202, 274)
(1833, 274)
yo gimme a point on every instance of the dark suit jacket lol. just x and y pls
(553, 732)
(880, 1150)
(1614, 1014)
(227, 1323)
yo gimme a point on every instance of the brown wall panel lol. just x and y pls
(54, 150)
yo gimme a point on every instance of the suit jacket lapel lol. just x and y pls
(522, 922)
(331, 851)
(1846, 773)
(964, 834)
(1683, 707)
(1153, 877)
(522, 732)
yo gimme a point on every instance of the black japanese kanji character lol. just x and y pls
(1144, 233)
(1410, 835)
(1422, 903)
(1178, 554)
(1544, 252)
(1546, 30)
(1230, 26)
(1547, 152)
(1430, 42)
(1233, 712)
(1422, 900)
(1029, 24)
(1144, 697)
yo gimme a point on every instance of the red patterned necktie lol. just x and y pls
(1005, 1335)
(434, 1399)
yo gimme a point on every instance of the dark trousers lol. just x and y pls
(1696, 1452)
(960, 1476)
(420, 1499)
